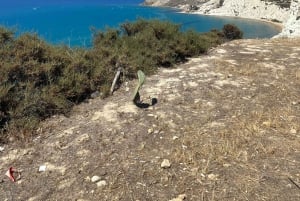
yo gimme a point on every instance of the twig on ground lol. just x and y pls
(294, 183)
(115, 80)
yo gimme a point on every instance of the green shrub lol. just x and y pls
(38, 79)
(5, 35)
(232, 32)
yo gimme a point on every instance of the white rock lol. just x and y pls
(42, 168)
(102, 183)
(95, 179)
(212, 176)
(179, 198)
(1, 149)
(165, 164)
(175, 137)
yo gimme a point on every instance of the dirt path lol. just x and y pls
(228, 123)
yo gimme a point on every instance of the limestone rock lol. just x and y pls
(179, 198)
(102, 183)
(95, 178)
(165, 164)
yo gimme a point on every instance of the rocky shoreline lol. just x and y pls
(284, 13)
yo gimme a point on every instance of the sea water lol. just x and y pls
(70, 22)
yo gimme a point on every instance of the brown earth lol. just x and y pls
(228, 122)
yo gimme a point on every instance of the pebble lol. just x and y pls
(165, 164)
(42, 168)
(1, 149)
(101, 183)
(95, 178)
(212, 177)
(267, 123)
(229, 76)
(175, 137)
(179, 198)
(293, 131)
(150, 130)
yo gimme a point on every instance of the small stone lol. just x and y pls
(165, 164)
(102, 183)
(150, 130)
(293, 131)
(175, 137)
(42, 168)
(1, 149)
(95, 179)
(11, 139)
(212, 177)
(267, 123)
(179, 198)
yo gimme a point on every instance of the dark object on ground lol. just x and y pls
(142, 105)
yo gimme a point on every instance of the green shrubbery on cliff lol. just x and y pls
(38, 79)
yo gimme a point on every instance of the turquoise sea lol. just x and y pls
(70, 22)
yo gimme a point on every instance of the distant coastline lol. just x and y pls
(277, 25)
(285, 18)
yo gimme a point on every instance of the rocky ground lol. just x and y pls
(226, 126)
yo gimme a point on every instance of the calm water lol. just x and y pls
(70, 21)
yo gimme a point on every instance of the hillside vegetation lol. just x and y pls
(39, 80)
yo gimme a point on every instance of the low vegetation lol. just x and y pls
(281, 3)
(39, 80)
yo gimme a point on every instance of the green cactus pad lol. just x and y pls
(141, 77)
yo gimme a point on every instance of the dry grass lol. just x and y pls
(229, 124)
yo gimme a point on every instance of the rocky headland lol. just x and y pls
(285, 12)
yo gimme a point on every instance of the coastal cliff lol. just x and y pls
(286, 12)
